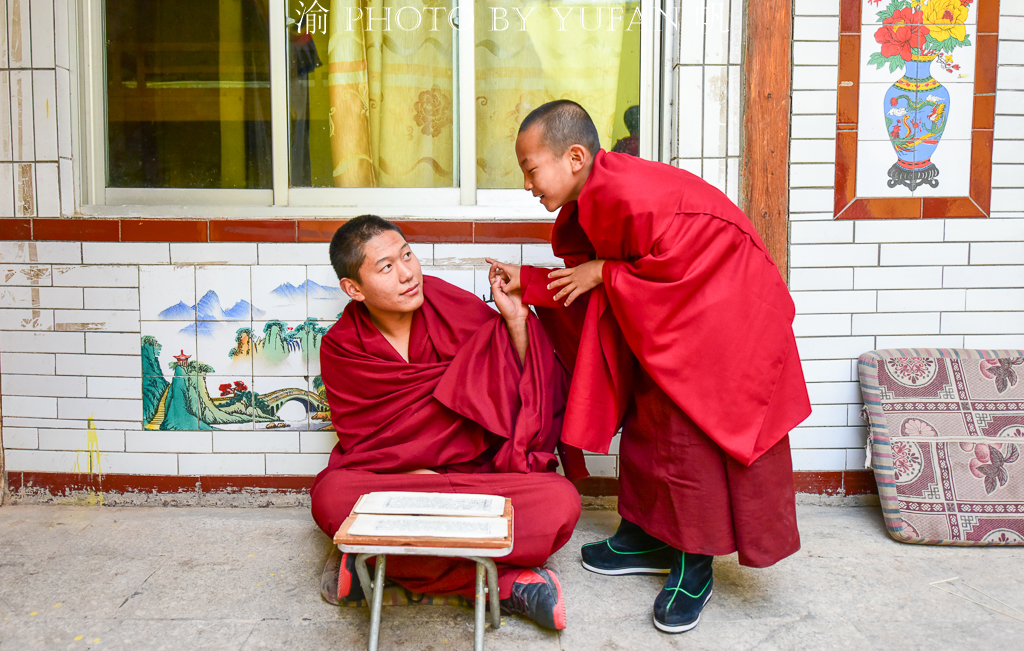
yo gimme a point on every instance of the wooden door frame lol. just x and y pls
(767, 72)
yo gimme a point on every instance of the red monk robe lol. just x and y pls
(462, 406)
(688, 345)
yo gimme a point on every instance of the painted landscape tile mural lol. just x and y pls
(916, 98)
(235, 347)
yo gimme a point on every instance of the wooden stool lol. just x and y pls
(479, 550)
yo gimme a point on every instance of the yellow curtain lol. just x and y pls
(391, 94)
(574, 53)
(391, 91)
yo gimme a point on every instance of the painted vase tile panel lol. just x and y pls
(916, 88)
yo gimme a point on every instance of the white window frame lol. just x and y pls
(463, 202)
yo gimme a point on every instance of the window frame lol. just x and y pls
(282, 200)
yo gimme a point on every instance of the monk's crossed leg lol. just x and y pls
(546, 505)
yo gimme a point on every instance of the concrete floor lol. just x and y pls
(210, 578)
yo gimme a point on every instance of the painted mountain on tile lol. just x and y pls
(209, 309)
(310, 289)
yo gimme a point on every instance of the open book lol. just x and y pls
(429, 515)
(427, 526)
(407, 503)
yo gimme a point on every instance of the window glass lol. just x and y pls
(371, 93)
(529, 52)
(188, 94)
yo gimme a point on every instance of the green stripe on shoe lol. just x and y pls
(676, 590)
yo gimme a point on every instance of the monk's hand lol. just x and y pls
(423, 471)
(509, 303)
(577, 280)
(507, 273)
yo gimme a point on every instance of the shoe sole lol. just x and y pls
(665, 628)
(559, 611)
(626, 571)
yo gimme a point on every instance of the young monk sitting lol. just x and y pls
(681, 328)
(431, 390)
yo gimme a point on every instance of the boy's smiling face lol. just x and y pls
(557, 180)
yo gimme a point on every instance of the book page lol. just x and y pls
(410, 503)
(419, 526)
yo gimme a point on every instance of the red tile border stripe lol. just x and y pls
(15, 229)
(76, 229)
(850, 482)
(164, 230)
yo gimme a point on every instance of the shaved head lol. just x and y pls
(348, 246)
(563, 123)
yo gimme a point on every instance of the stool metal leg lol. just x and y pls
(364, 576)
(492, 587)
(478, 631)
(378, 599)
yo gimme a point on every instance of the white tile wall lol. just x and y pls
(936, 282)
(857, 285)
(77, 439)
(22, 438)
(131, 463)
(156, 441)
(296, 464)
(222, 464)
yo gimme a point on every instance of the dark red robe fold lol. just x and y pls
(463, 406)
(462, 402)
(688, 346)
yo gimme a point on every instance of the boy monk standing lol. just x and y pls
(679, 329)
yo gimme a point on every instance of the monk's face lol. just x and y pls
(556, 179)
(390, 279)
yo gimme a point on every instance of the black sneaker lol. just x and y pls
(687, 590)
(339, 581)
(630, 551)
(537, 594)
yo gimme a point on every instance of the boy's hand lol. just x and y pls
(509, 304)
(576, 281)
(508, 274)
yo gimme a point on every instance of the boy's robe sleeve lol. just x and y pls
(534, 282)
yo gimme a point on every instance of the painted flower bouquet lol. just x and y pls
(925, 29)
(913, 35)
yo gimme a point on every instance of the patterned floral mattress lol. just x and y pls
(947, 441)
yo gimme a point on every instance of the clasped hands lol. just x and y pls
(573, 281)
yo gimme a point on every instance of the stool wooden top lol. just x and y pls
(342, 537)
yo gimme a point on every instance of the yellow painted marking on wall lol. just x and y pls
(96, 640)
(47, 108)
(251, 555)
(33, 613)
(92, 453)
(79, 638)
(57, 605)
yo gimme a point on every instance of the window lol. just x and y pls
(335, 103)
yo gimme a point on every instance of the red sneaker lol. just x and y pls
(349, 588)
(339, 581)
(537, 594)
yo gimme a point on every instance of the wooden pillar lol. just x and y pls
(767, 69)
